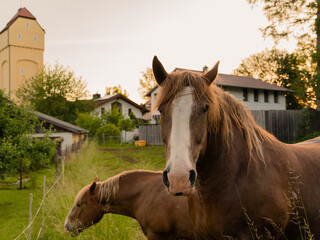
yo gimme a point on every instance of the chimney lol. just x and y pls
(96, 96)
(205, 68)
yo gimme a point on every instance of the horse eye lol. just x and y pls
(206, 108)
(78, 205)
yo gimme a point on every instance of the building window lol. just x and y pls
(129, 111)
(27, 25)
(256, 95)
(245, 94)
(266, 96)
(19, 36)
(35, 39)
(103, 110)
(276, 97)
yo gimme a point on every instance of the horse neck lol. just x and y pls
(124, 200)
(216, 167)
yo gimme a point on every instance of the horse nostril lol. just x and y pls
(165, 178)
(192, 177)
(179, 194)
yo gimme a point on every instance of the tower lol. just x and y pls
(21, 51)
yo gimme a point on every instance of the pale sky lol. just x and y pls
(109, 42)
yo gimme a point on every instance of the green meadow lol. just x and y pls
(102, 161)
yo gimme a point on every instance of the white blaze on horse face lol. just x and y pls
(180, 132)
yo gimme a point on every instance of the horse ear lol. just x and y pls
(96, 179)
(93, 186)
(159, 72)
(212, 74)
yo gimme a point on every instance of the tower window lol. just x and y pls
(27, 25)
(21, 71)
(35, 39)
(19, 36)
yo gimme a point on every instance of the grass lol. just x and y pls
(81, 170)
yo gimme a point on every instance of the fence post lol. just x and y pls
(30, 216)
(44, 194)
(56, 163)
(103, 138)
(62, 169)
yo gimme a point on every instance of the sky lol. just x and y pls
(110, 42)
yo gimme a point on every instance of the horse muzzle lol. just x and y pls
(179, 183)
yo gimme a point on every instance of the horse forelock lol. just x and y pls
(109, 188)
(224, 111)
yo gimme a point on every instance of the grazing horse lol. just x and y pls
(138, 194)
(241, 182)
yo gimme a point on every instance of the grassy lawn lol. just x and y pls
(101, 161)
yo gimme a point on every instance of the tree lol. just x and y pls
(147, 82)
(18, 150)
(89, 121)
(283, 69)
(126, 125)
(113, 116)
(55, 91)
(116, 90)
(299, 19)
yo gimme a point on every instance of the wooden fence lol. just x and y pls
(150, 133)
(286, 125)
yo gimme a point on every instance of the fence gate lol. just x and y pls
(151, 134)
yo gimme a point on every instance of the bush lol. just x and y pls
(108, 130)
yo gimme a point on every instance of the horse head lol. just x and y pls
(86, 211)
(184, 104)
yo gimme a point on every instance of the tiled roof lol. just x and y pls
(228, 80)
(246, 82)
(22, 12)
(109, 98)
(59, 123)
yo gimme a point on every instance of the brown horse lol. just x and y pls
(241, 182)
(138, 194)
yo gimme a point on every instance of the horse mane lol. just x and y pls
(109, 187)
(225, 111)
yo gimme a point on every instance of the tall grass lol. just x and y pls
(82, 170)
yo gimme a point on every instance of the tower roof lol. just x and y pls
(22, 12)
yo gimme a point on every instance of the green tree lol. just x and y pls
(89, 121)
(147, 82)
(113, 116)
(126, 125)
(18, 150)
(299, 19)
(116, 90)
(55, 91)
(283, 69)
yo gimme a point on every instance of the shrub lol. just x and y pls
(108, 130)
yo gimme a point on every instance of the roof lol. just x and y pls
(22, 12)
(246, 82)
(59, 123)
(109, 98)
(228, 80)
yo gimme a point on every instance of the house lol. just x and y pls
(124, 104)
(21, 51)
(255, 93)
(69, 136)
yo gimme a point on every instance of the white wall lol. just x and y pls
(125, 108)
(66, 136)
(261, 104)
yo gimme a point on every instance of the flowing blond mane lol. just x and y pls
(225, 111)
(109, 187)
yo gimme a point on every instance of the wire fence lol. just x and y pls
(41, 206)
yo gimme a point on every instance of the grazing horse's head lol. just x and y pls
(184, 101)
(87, 210)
